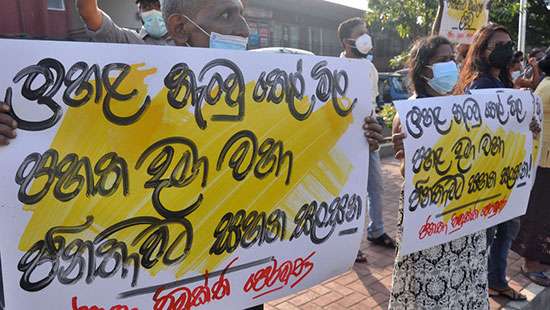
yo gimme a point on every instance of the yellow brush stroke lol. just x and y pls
(320, 170)
(514, 154)
(479, 18)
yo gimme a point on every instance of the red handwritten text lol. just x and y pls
(184, 298)
(494, 208)
(458, 220)
(271, 276)
(75, 306)
(432, 228)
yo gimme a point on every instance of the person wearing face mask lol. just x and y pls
(516, 68)
(207, 23)
(225, 18)
(357, 44)
(486, 66)
(101, 28)
(220, 22)
(428, 279)
(221, 41)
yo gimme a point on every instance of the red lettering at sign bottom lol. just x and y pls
(458, 220)
(279, 276)
(432, 228)
(184, 298)
(494, 208)
(75, 306)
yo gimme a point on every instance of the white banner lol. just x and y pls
(470, 164)
(148, 177)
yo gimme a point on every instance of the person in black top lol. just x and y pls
(487, 66)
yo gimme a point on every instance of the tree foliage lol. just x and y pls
(409, 18)
(506, 12)
(412, 19)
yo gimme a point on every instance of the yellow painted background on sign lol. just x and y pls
(464, 11)
(320, 170)
(514, 154)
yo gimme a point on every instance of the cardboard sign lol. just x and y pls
(470, 164)
(461, 19)
(148, 177)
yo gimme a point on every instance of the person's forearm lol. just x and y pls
(90, 13)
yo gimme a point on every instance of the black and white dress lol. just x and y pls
(449, 276)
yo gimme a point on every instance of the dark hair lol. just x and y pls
(142, 2)
(462, 50)
(346, 27)
(476, 63)
(517, 57)
(422, 51)
(536, 51)
(544, 64)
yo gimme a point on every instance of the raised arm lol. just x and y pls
(90, 13)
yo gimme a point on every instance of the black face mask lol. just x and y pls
(357, 53)
(502, 55)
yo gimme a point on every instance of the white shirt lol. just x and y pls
(373, 75)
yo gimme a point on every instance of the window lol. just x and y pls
(56, 5)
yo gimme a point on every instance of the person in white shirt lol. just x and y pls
(357, 44)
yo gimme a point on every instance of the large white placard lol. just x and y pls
(470, 164)
(148, 177)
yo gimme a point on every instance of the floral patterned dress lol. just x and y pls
(449, 276)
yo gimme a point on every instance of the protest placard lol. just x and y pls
(148, 177)
(470, 163)
(462, 18)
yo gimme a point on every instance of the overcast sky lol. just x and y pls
(358, 4)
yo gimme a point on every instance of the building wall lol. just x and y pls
(309, 24)
(57, 22)
(32, 18)
(10, 21)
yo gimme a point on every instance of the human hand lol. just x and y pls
(373, 133)
(533, 62)
(7, 125)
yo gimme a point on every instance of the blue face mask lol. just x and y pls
(228, 42)
(154, 24)
(445, 77)
(223, 41)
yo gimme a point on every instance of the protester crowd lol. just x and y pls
(460, 274)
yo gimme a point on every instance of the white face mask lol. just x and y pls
(364, 44)
(223, 41)
(516, 74)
